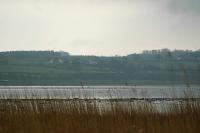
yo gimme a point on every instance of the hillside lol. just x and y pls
(60, 68)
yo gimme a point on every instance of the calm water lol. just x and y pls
(98, 92)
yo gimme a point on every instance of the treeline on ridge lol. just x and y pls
(60, 68)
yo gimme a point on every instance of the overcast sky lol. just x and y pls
(99, 27)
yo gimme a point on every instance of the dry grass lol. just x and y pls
(75, 116)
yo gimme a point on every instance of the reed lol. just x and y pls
(92, 116)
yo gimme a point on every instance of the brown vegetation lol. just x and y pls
(75, 116)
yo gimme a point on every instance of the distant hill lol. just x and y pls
(60, 68)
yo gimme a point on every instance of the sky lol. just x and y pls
(99, 27)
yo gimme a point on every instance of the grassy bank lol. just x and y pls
(75, 116)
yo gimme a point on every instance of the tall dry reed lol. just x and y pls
(90, 116)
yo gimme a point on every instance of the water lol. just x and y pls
(97, 92)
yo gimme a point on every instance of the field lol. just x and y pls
(88, 116)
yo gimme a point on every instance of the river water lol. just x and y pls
(97, 92)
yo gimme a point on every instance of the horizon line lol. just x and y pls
(73, 54)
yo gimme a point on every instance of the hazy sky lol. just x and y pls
(99, 27)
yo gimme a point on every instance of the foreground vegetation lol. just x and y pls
(90, 116)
